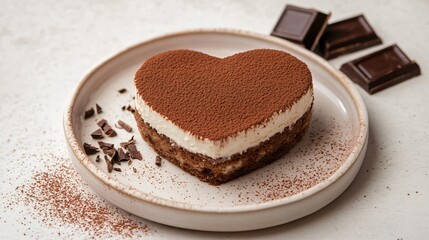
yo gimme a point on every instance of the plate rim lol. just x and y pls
(136, 194)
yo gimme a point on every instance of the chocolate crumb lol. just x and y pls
(131, 109)
(107, 129)
(117, 169)
(97, 134)
(123, 108)
(125, 126)
(130, 161)
(98, 108)
(122, 90)
(89, 113)
(134, 170)
(89, 149)
(158, 161)
(98, 159)
(109, 164)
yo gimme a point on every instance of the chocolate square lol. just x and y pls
(347, 36)
(303, 26)
(381, 69)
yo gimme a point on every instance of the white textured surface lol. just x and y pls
(47, 46)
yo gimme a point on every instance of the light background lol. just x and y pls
(46, 47)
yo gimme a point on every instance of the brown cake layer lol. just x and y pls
(214, 98)
(215, 171)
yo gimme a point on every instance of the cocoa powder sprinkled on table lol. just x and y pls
(58, 196)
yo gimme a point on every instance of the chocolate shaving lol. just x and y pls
(107, 148)
(158, 161)
(89, 113)
(109, 164)
(130, 161)
(125, 126)
(109, 151)
(97, 134)
(98, 108)
(115, 158)
(98, 159)
(105, 144)
(122, 90)
(122, 156)
(134, 153)
(129, 142)
(89, 149)
(107, 129)
(101, 123)
(117, 169)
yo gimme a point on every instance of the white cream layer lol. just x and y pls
(238, 143)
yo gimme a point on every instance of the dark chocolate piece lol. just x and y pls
(122, 90)
(122, 156)
(97, 134)
(107, 129)
(381, 69)
(98, 108)
(346, 36)
(109, 164)
(117, 169)
(134, 153)
(89, 149)
(89, 113)
(115, 158)
(98, 159)
(125, 126)
(303, 26)
(123, 108)
(158, 161)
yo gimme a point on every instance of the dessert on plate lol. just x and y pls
(220, 118)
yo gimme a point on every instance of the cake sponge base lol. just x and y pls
(221, 170)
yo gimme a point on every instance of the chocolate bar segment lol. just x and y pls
(381, 69)
(301, 25)
(347, 36)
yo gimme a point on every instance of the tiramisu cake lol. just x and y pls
(220, 118)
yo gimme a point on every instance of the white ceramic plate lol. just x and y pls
(313, 174)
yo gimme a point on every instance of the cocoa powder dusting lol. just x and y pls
(214, 98)
(326, 146)
(57, 197)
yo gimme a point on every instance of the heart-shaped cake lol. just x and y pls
(219, 118)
